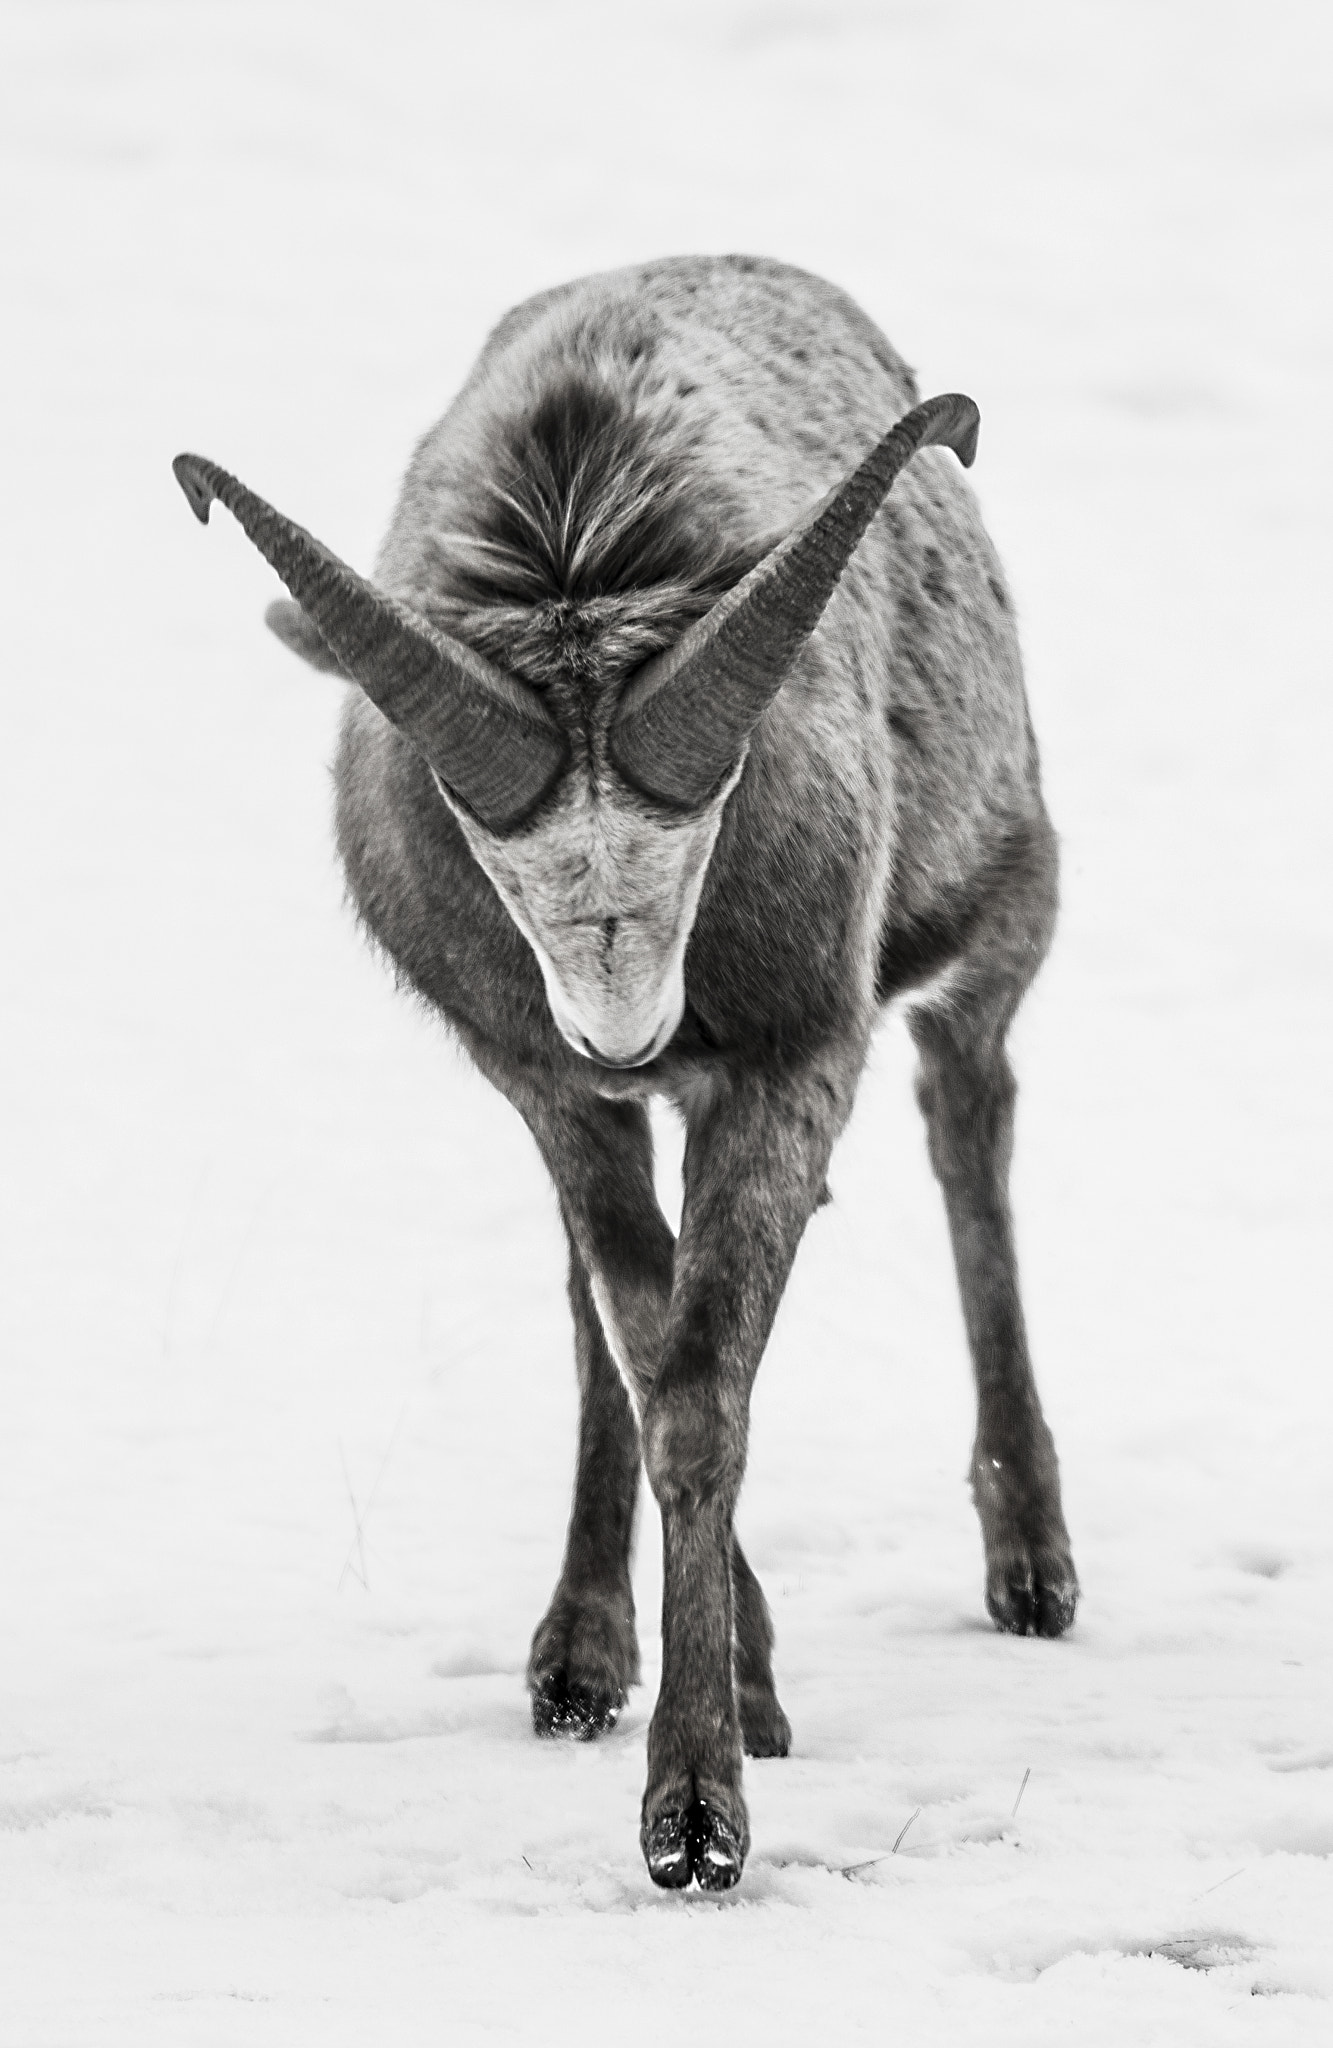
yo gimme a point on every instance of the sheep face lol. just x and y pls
(605, 890)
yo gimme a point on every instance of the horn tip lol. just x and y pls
(190, 474)
(964, 440)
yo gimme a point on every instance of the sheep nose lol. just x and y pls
(603, 1059)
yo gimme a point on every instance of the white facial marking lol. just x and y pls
(606, 895)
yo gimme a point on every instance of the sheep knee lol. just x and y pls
(693, 1446)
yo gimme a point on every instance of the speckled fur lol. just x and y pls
(624, 449)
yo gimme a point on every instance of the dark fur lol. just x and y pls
(624, 450)
(586, 548)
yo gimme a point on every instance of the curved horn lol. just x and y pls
(488, 737)
(686, 716)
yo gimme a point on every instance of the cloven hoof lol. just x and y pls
(699, 1844)
(1033, 1603)
(561, 1706)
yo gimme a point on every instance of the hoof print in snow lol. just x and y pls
(561, 1706)
(1032, 1602)
(1202, 1951)
(699, 1844)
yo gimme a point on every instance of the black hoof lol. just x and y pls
(700, 1844)
(1033, 1603)
(561, 1706)
(666, 1851)
(765, 1729)
(716, 1856)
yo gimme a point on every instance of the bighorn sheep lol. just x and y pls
(660, 780)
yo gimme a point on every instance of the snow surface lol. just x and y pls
(289, 1398)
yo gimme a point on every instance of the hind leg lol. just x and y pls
(966, 1091)
(765, 1729)
(585, 1653)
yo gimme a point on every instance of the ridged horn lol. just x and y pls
(686, 716)
(488, 737)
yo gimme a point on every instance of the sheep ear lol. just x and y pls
(298, 631)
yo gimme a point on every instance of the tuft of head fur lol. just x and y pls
(589, 545)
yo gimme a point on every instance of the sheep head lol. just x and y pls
(598, 854)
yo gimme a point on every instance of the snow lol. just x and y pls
(289, 1397)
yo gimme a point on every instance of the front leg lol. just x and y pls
(756, 1156)
(585, 1654)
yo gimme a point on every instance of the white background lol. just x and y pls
(270, 1248)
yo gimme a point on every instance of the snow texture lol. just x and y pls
(288, 1389)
